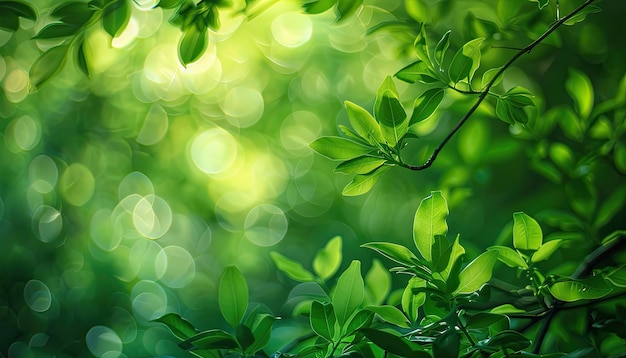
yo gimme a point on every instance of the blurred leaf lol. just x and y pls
(617, 276)
(509, 340)
(244, 336)
(261, 330)
(562, 156)
(611, 206)
(582, 197)
(192, 45)
(55, 30)
(441, 48)
(447, 344)
(346, 8)
(395, 252)
(390, 314)
(426, 104)
(422, 47)
(477, 273)
(20, 8)
(392, 343)
(541, 3)
(509, 256)
(579, 88)
(430, 220)
(377, 282)
(364, 124)
(509, 113)
(527, 233)
(337, 148)
(323, 319)
(115, 17)
(546, 250)
(349, 292)
(484, 320)
(327, 260)
(179, 326)
(47, 65)
(586, 289)
(361, 319)
(169, 4)
(232, 295)
(416, 72)
(211, 339)
(81, 57)
(477, 27)
(619, 153)
(318, 6)
(9, 20)
(360, 165)
(291, 268)
(73, 12)
(591, 9)
(411, 302)
(465, 61)
(362, 183)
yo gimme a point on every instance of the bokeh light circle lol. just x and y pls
(37, 296)
(144, 258)
(22, 134)
(154, 126)
(135, 183)
(292, 29)
(265, 225)
(47, 223)
(77, 184)
(149, 300)
(43, 174)
(105, 233)
(243, 105)
(102, 341)
(179, 269)
(152, 216)
(214, 151)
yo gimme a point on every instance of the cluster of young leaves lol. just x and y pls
(72, 19)
(343, 8)
(250, 330)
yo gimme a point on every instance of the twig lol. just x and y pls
(485, 91)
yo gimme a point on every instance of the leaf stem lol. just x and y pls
(485, 91)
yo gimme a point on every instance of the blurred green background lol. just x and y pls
(124, 195)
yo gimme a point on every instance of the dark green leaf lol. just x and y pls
(527, 233)
(364, 124)
(360, 165)
(349, 292)
(337, 148)
(244, 336)
(617, 276)
(465, 61)
(447, 344)
(232, 295)
(477, 273)
(390, 314)
(417, 71)
(323, 319)
(292, 268)
(591, 9)
(392, 343)
(440, 253)
(9, 20)
(510, 113)
(261, 330)
(509, 257)
(346, 8)
(192, 45)
(47, 65)
(362, 183)
(456, 251)
(19, 8)
(212, 19)
(430, 220)
(519, 97)
(211, 339)
(541, 3)
(611, 206)
(426, 104)
(411, 301)
(327, 260)
(395, 252)
(441, 48)
(509, 340)
(115, 17)
(55, 30)
(73, 12)
(318, 7)
(81, 57)
(169, 4)
(361, 319)
(484, 320)
(179, 326)
(586, 289)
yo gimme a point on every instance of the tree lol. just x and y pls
(117, 121)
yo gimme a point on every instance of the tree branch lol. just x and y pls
(485, 91)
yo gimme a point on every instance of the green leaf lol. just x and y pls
(318, 7)
(546, 250)
(411, 302)
(346, 8)
(179, 326)
(484, 320)
(353, 135)
(617, 276)
(291, 268)
(390, 314)
(519, 97)
(360, 165)
(417, 71)
(361, 319)
(512, 340)
(430, 220)
(489, 75)
(392, 117)
(426, 104)
(392, 343)
(377, 282)
(477, 273)
(232, 295)
(19, 8)
(509, 113)
(337, 148)
(323, 319)
(509, 257)
(9, 21)
(586, 289)
(73, 12)
(527, 233)
(611, 206)
(422, 48)
(349, 292)
(169, 4)
(541, 3)
(441, 253)
(579, 88)
(466, 61)
(327, 260)
(244, 336)
(192, 45)
(506, 309)
(82, 52)
(211, 339)
(362, 183)
(441, 48)
(55, 30)
(115, 17)
(395, 252)
(447, 344)
(591, 9)
(364, 124)
(47, 65)
(261, 330)
(456, 252)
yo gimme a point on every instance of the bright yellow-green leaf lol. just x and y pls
(377, 283)
(585, 289)
(338, 148)
(292, 268)
(411, 302)
(546, 250)
(509, 257)
(430, 220)
(477, 273)
(364, 123)
(390, 314)
(360, 165)
(349, 292)
(362, 183)
(579, 87)
(328, 259)
(465, 61)
(527, 233)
